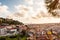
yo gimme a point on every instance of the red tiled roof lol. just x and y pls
(2, 26)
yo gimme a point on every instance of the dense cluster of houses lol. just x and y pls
(10, 29)
(34, 31)
(44, 31)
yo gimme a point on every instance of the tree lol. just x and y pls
(9, 21)
(51, 6)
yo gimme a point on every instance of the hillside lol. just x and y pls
(9, 21)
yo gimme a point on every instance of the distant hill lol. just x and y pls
(9, 22)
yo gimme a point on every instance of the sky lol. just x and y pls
(8, 5)
(26, 11)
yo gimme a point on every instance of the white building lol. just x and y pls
(3, 31)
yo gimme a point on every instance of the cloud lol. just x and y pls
(33, 11)
(4, 11)
(30, 2)
(21, 8)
